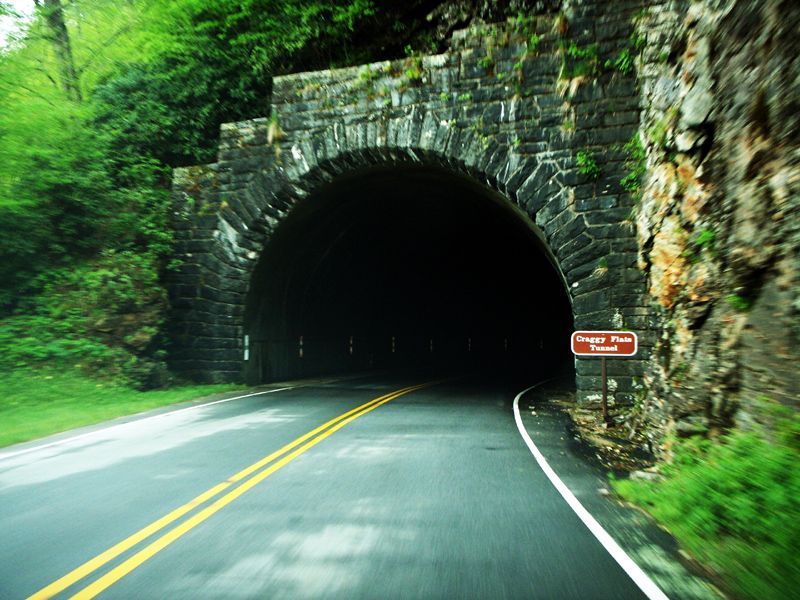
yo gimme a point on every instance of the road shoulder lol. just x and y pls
(652, 549)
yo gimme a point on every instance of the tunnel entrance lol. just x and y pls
(404, 267)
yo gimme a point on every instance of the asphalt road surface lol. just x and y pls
(428, 494)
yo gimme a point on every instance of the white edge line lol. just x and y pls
(639, 577)
(126, 423)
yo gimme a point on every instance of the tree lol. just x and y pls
(59, 36)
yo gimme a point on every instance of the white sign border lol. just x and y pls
(616, 354)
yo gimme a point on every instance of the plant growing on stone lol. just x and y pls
(622, 63)
(533, 43)
(585, 61)
(659, 131)
(413, 66)
(602, 267)
(690, 255)
(587, 165)
(640, 16)
(739, 303)
(638, 42)
(636, 164)
(274, 131)
(367, 75)
(486, 63)
(706, 240)
(413, 74)
(524, 25)
(518, 76)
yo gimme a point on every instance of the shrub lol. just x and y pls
(736, 505)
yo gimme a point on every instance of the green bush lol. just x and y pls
(103, 314)
(735, 505)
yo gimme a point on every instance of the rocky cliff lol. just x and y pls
(717, 217)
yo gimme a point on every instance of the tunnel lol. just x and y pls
(405, 267)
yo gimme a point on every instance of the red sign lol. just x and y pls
(604, 343)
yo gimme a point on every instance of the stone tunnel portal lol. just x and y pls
(404, 267)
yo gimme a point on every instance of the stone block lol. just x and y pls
(592, 302)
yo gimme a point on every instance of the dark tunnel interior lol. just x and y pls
(405, 267)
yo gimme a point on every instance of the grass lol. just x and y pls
(39, 403)
(735, 505)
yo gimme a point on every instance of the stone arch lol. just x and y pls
(226, 212)
(533, 188)
(299, 185)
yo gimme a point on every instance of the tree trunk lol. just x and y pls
(54, 16)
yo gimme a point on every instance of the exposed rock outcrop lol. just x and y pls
(718, 223)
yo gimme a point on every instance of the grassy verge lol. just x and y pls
(38, 403)
(735, 505)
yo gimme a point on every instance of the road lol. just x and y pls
(428, 494)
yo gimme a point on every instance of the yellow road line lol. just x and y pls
(165, 540)
(101, 559)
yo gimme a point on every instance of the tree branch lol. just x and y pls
(11, 87)
(80, 70)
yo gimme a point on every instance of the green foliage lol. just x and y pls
(525, 26)
(84, 186)
(657, 133)
(486, 63)
(739, 303)
(706, 241)
(82, 310)
(636, 164)
(264, 35)
(30, 340)
(623, 63)
(736, 505)
(579, 62)
(587, 165)
(413, 66)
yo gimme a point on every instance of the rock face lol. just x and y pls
(718, 219)
(523, 108)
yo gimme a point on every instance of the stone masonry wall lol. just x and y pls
(537, 109)
(718, 223)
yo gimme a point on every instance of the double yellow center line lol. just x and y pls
(276, 461)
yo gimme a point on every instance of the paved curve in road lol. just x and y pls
(432, 494)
